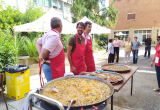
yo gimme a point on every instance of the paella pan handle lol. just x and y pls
(47, 99)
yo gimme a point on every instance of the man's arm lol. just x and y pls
(145, 41)
(139, 46)
(38, 47)
(69, 48)
(45, 54)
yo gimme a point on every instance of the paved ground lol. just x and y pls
(143, 98)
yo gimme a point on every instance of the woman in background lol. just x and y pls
(128, 47)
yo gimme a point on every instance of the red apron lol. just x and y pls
(78, 57)
(89, 56)
(58, 64)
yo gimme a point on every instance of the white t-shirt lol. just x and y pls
(86, 37)
(112, 49)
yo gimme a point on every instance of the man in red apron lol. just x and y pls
(76, 50)
(51, 51)
(89, 59)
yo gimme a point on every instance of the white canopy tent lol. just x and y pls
(96, 29)
(120, 34)
(43, 24)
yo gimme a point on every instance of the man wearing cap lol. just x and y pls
(147, 46)
(135, 46)
(89, 59)
(117, 43)
(76, 50)
(51, 51)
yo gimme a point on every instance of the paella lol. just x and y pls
(117, 68)
(111, 77)
(84, 91)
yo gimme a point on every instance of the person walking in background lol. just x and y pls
(135, 46)
(117, 43)
(156, 59)
(128, 47)
(110, 52)
(148, 46)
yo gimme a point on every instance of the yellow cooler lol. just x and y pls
(17, 81)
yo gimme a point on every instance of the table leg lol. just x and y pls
(112, 102)
(131, 85)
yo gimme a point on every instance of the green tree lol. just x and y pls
(90, 9)
(8, 51)
(32, 13)
(9, 17)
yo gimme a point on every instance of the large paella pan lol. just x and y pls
(88, 91)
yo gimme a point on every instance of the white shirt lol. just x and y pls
(112, 49)
(86, 37)
(51, 42)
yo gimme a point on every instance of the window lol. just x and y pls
(60, 5)
(54, 2)
(41, 2)
(122, 35)
(47, 3)
(131, 16)
(142, 35)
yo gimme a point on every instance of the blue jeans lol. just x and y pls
(135, 56)
(158, 74)
(47, 72)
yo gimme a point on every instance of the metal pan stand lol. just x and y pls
(44, 98)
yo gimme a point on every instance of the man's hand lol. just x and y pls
(74, 70)
(42, 61)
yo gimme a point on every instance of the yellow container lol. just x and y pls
(18, 84)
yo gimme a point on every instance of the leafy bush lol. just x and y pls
(8, 51)
(101, 40)
(65, 38)
(27, 46)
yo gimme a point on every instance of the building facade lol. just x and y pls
(137, 18)
(63, 7)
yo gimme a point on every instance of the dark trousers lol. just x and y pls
(135, 56)
(111, 58)
(147, 49)
(116, 49)
(158, 74)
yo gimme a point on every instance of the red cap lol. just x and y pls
(135, 37)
